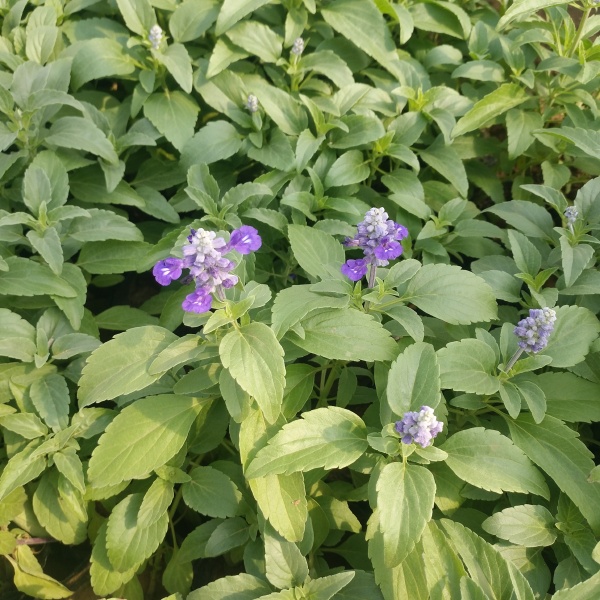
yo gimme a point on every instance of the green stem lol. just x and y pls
(579, 34)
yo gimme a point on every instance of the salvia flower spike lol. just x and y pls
(155, 36)
(571, 214)
(533, 332)
(379, 238)
(209, 268)
(252, 103)
(419, 427)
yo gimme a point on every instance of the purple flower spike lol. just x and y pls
(245, 240)
(355, 269)
(167, 270)
(199, 301)
(533, 331)
(419, 427)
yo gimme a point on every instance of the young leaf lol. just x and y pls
(488, 460)
(161, 427)
(120, 366)
(317, 252)
(526, 525)
(326, 437)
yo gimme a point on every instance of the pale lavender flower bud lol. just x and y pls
(155, 37)
(419, 427)
(571, 214)
(298, 47)
(252, 103)
(533, 331)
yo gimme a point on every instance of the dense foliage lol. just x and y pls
(340, 412)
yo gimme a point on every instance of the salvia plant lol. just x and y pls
(299, 299)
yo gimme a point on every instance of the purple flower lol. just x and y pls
(167, 270)
(355, 269)
(571, 214)
(204, 256)
(419, 427)
(198, 301)
(245, 240)
(533, 331)
(379, 238)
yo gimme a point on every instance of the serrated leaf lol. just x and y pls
(173, 114)
(17, 336)
(285, 567)
(120, 366)
(210, 492)
(344, 334)
(254, 359)
(488, 460)
(51, 398)
(468, 366)
(244, 586)
(528, 525)
(494, 104)
(161, 427)
(414, 380)
(317, 252)
(451, 294)
(570, 398)
(192, 18)
(405, 495)
(326, 437)
(233, 11)
(556, 449)
(28, 278)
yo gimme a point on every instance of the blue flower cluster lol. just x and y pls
(533, 331)
(204, 256)
(379, 238)
(419, 427)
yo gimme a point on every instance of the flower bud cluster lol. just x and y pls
(252, 103)
(204, 256)
(298, 47)
(571, 214)
(419, 427)
(379, 238)
(155, 37)
(533, 331)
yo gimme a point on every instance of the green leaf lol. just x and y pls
(178, 62)
(519, 126)
(527, 257)
(211, 493)
(129, 541)
(451, 294)
(254, 359)
(325, 588)
(570, 398)
(17, 336)
(285, 567)
(362, 129)
(68, 464)
(27, 425)
(325, 437)
(257, 39)
(229, 534)
(105, 578)
(138, 15)
(521, 9)
(233, 11)
(81, 134)
(215, 141)
(60, 508)
(332, 66)
(468, 366)
(317, 252)
(28, 278)
(574, 331)
(414, 379)
(405, 495)
(192, 18)
(104, 225)
(493, 574)
(349, 168)
(488, 460)
(120, 318)
(161, 427)
(111, 257)
(98, 58)
(48, 246)
(344, 334)
(586, 590)
(240, 587)
(556, 449)
(22, 468)
(529, 218)
(120, 366)
(528, 525)
(574, 259)
(409, 319)
(363, 24)
(447, 163)
(51, 398)
(174, 114)
(496, 103)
